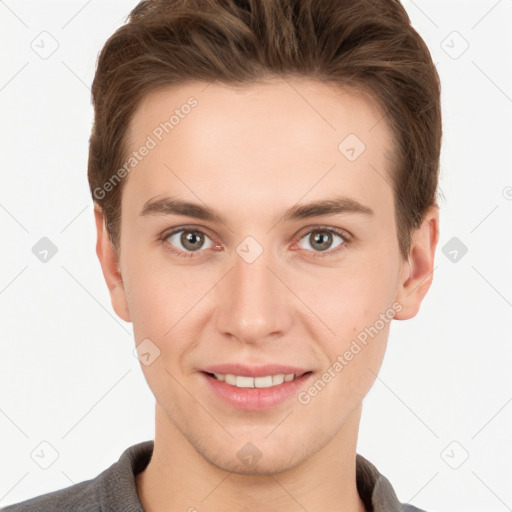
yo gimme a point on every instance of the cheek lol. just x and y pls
(347, 376)
(159, 300)
(355, 307)
(166, 304)
(155, 290)
(349, 298)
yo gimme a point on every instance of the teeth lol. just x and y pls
(254, 382)
(279, 379)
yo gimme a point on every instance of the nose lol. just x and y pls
(253, 305)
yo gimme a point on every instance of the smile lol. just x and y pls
(256, 393)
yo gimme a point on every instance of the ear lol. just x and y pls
(109, 262)
(417, 274)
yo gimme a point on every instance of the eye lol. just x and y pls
(187, 241)
(322, 239)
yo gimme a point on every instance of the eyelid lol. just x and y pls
(187, 227)
(318, 227)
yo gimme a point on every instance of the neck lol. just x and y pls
(179, 479)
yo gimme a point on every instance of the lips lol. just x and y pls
(254, 371)
(255, 388)
(255, 396)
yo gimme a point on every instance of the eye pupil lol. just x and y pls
(323, 238)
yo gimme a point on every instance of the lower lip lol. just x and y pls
(256, 399)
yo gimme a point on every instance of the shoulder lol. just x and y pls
(113, 489)
(83, 496)
(376, 491)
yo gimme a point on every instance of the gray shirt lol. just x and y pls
(114, 489)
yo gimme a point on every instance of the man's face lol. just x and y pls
(258, 288)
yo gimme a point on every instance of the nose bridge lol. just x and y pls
(252, 301)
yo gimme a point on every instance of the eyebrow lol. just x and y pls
(331, 206)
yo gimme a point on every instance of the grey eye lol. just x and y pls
(321, 239)
(190, 240)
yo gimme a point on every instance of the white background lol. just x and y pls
(68, 376)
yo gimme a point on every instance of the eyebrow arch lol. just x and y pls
(332, 206)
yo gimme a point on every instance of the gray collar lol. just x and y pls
(375, 489)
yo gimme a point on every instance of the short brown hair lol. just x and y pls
(369, 45)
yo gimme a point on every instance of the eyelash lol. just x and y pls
(347, 240)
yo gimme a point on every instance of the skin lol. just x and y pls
(249, 154)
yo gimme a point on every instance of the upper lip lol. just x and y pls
(254, 371)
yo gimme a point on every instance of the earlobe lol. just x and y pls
(417, 274)
(110, 267)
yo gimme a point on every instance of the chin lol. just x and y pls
(261, 468)
(260, 457)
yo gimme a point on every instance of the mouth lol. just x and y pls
(255, 388)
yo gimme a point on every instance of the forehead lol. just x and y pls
(294, 137)
(305, 109)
